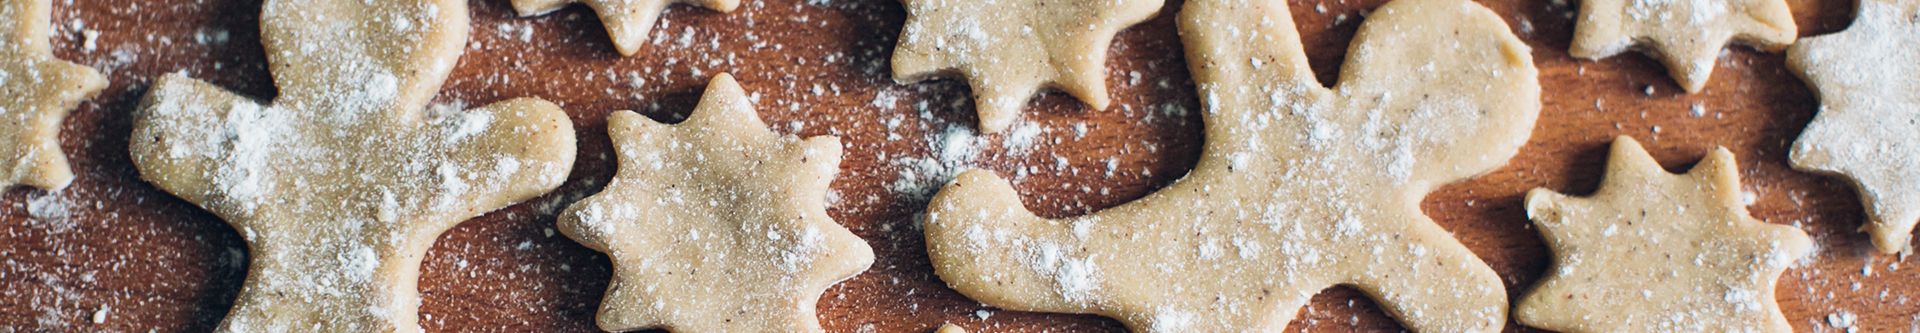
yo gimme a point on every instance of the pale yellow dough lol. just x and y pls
(1008, 50)
(36, 92)
(717, 224)
(343, 182)
(1299, 188)
(1658, 252)
(1868, 127)
(1685, 35)
(627, 21)
(950, 328)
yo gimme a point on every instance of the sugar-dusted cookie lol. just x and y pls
(1685, 35)
(36, 92)
(717, 224)
(1868, 128)
(950, 328)
(627, 20)
(1658, 252)
(1010, 49)
(342, 183)
(1299, 187)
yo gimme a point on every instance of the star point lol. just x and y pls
(36, 93)
(1685, 35)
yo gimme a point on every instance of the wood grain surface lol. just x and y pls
(114, 254)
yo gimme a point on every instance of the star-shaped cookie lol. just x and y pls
(1685, 35)
(1299, 187)
(628, 21)
(343, 182)
(36, 92)
(717, 224)
(1010, 49)
(1868, 128)
(1658, 252)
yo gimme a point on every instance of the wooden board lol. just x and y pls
(116, 249)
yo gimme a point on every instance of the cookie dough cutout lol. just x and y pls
(1865, 130)
(1008, 50)
(628, 21)
(36, 92)
(1299, 187)
(344, 181)
(1658, 252)
(1685, 35)
(717, 224)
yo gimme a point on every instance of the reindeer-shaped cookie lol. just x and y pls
(1299, 187)
(343, 182)
(36, 92)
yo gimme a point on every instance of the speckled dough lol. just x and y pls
(717, 224)
(627, 20)
(1685, 35)
(1869, 115)
(1009, 49)
(343, 182)
(1299, 188)
(36, 92)
(1657, 252)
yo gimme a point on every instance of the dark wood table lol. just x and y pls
(116, 249)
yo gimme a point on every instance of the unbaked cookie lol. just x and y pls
(1657, 252)
(1010, 49)
(36, 92)
(627, 20)
(343, 182)
(1869, 117)
(1299, 187)
(717, 224)
(1685, 35)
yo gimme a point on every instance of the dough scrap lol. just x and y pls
(1865, 129)
(343, 182)
(1658, 252)
(1010, 49)
(627, 21)
(1685, 35)
(717, 224)
(1299, 187)
(950, 328)
(36, 92)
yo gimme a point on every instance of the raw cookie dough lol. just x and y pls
(716, 224)
(1299, 187)
(1010, 49)
(627, 20)
(1685, 35)
(1868, 128)
(950, 328)
(36, 92)
(1658, 252)
(343, 182)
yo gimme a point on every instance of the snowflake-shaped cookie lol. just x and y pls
(1868, 128)
(1009, 49)
(343, 182)
(36, 92)
(1685, 35)
(628, 21)
(717, 224)
(1658, 252)
(1299, 188)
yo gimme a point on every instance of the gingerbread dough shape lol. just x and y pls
(1658, 252)
(1008, 50)
(1865, 131)
(1685, 35)
(1299, 187)
(36, 92)
(717, 224)
(343, 182)
(628, 21)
